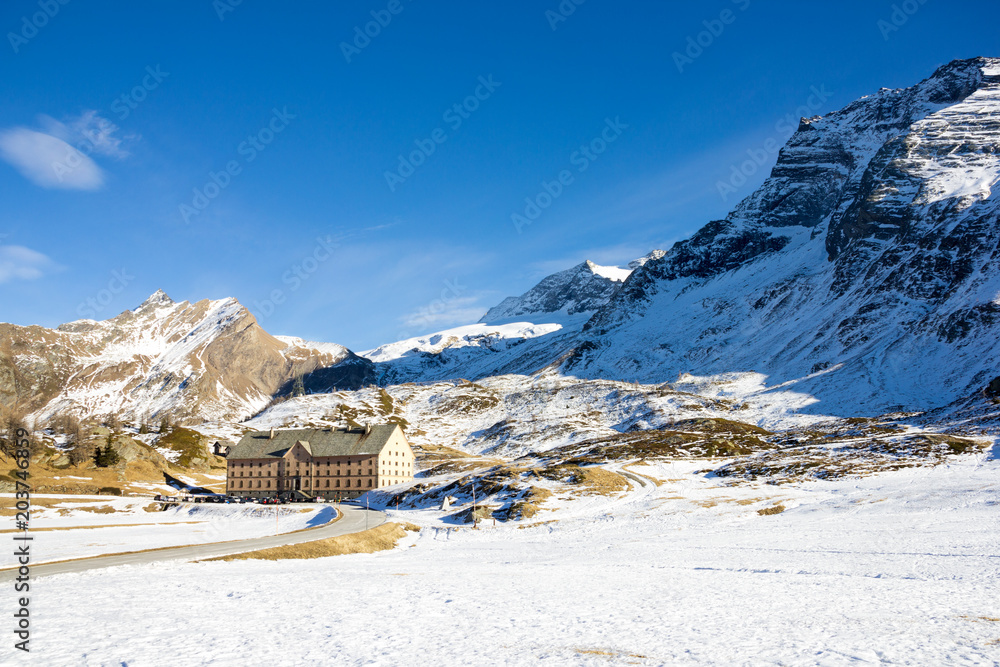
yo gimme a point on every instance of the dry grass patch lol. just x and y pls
(380, 538)
(528, 505)
(36, 503)
(603, 482)
(768, 511)
(439, 460)
(590, 479)
(694, 438)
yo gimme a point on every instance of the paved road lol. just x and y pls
(354, 520)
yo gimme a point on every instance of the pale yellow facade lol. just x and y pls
(329, 477)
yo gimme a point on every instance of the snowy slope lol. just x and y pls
(869, 251)
(519, 335)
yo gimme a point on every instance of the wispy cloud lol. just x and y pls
(60, 156)
(48, 161)
(20, 263)
(98, 134)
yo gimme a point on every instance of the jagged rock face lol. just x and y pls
(870, 250)
(585, 287)
(207, 360)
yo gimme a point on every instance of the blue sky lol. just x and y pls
(243, 150)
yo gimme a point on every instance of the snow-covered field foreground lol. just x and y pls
(65, 527)
(897, 568)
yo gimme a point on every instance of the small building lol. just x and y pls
(331, 463)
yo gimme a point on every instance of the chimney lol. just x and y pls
(271, 434)
(368, 429)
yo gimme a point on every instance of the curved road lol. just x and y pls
(354, 520)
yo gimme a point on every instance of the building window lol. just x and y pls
(338, 484)
(327, 485)
(369, 483)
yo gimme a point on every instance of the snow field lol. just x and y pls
(897, 568)
(81, 533)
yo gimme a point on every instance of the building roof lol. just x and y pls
(319, 441)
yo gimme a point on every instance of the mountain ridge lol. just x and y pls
(865, 264)
(210, 359)
(887, 183)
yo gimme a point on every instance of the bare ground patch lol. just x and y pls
(380, 538)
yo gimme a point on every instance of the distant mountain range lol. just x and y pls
(864, 270)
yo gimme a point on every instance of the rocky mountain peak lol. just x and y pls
(636, 263)
(582, 288)
(157, 299)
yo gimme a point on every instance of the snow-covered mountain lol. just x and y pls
(581, 289)
(862, 273)
(208, 359)
(863, 270)
(519, 335)
(867, 261)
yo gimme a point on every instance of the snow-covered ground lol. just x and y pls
(510, 415)
(83, 526)
(896, 568)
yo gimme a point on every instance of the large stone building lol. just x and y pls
(334, 464)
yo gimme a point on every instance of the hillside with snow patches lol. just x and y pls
(208, 360)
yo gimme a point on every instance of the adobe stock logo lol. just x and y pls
(454, 116)
(91, 306)
(296, 275)
(37, 21)
(697, 44)
(565, 9)
(363, 35)
(128, 102)
(248, 149)
(784, 128)
(581, 158)
(900, 16)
